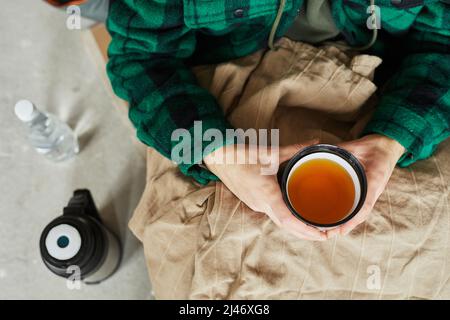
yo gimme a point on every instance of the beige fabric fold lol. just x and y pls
(203, 243)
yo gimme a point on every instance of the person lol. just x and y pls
(156, 42)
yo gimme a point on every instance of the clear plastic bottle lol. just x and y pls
(47, 134)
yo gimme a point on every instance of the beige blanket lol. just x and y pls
(203, 243)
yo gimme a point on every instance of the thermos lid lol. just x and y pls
(74, 239)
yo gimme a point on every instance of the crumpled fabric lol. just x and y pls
(204, 243)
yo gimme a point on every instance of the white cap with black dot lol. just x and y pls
(63, 242)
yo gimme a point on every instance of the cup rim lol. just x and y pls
(340, 152)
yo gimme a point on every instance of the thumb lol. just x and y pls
(287, 152)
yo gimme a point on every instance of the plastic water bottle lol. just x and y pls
(47, 134)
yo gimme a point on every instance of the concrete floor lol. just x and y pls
(41, 60)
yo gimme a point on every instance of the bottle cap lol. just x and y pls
(63, 242)
(25, 110)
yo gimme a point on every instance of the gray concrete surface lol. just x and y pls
(41, 60)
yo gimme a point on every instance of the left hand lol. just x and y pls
(378, 155)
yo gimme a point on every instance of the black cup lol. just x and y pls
(342, 157)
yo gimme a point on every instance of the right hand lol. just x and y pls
(260, 192)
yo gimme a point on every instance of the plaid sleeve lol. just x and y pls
(415, 107)
(150, 43)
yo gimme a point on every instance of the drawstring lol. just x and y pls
(280, 13)
(276, 23)
(373, 16)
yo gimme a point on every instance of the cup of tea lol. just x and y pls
(323, 185)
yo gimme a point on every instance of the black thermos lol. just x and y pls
(78, 239)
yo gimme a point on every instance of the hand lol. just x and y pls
(259, 192)
(378, 154)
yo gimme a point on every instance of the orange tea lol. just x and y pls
(321, 191)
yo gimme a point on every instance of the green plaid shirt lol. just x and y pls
(155, 42)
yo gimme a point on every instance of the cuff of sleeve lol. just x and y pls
(207, 135)
(409, 129)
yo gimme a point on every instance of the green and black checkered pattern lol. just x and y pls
(155, 42)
